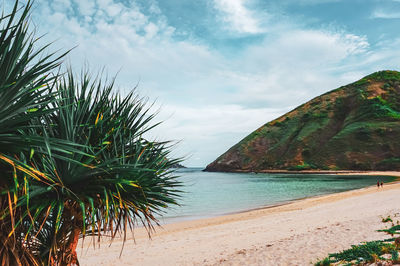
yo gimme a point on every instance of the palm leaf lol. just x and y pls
(24, 76)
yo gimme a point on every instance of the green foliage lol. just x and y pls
(306, 117)
(364, 252)
(386, 75)
(316, 115)
(340, 109)
(395, 255)
(389, 163)
(306, 153)
(24, 94)
(304, 166)
(324, 262)
(23, 80)
(387, 219)
(394, 230)
(361, 82)
(379, 108)
(73, 158)
(381, 100)
(363, 133)
(381, 131)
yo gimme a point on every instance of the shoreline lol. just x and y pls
(334, 196)
(217, 240)
(394, 174)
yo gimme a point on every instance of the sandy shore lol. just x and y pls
(298, 233)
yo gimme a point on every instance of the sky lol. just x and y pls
(219, 69)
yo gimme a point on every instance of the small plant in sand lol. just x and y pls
(381, 252)
(387, 219)
(324, 262)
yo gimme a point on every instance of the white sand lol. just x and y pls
(298, 233)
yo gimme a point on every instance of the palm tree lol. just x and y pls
(124, 181)
(73, 158)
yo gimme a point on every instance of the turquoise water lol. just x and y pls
(209, 194)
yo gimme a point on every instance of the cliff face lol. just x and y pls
(355, 127)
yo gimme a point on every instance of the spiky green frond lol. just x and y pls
(24, 77)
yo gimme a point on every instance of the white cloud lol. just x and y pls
(239, 17)
(385, 14)
(317, 46)
(292, 67)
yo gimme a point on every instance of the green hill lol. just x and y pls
(354, 127)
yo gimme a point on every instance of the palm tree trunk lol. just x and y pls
(69, 256)
(72, 257)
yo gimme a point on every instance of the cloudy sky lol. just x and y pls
(219, 69)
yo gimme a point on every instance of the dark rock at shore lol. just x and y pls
(354, 127)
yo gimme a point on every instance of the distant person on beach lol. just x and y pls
(377, 183)
(381, 184)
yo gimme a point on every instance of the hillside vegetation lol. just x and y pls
(354, 127)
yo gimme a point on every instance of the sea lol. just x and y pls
(210, 194)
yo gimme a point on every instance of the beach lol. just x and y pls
(297, 233)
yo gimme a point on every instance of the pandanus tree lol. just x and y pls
(24, 76)
(74, 161)
(118, 179)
